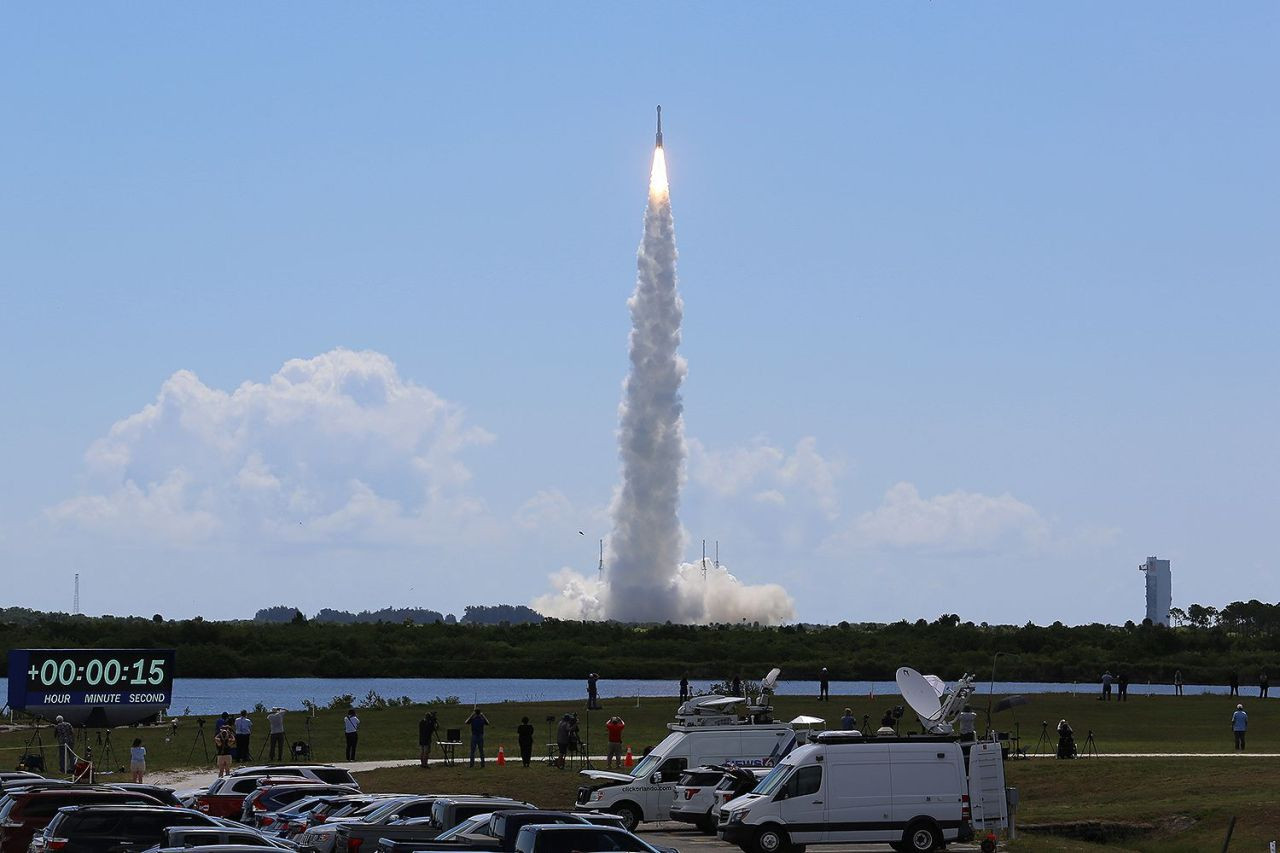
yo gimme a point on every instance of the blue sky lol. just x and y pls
(980, 299)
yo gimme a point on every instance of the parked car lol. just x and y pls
(298, 818)
(694, 796)
(323, 838)
(567, 838)
(112, 829)
(496, 832)
(225, 797)
(183, 837)
(165, 796)
(319, 772)
(273, 797)
(18, 776)
(736, 782)
(27, 811)
(446, 812)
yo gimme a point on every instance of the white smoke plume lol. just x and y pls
(646, 540)
(646, 582)
(720, 597)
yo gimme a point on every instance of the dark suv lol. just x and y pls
(113, 829)
(26, 812)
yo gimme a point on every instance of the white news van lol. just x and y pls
(706, 734)
(912, 793)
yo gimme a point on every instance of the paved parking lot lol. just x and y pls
(686, 839)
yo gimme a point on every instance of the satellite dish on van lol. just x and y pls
(919, 694)
(770, 681)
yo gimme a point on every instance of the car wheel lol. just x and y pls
(630, 814)
(772, 839)
(707, 825)
(922, 837)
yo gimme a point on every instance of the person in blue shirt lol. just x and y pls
(477, 721)
(1239, 725)
(847, 722)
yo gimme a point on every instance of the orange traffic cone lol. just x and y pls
(628, 760)
(502, 757)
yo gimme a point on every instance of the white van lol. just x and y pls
(647, 792)
(909, 792)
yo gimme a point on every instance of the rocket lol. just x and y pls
(658, 140)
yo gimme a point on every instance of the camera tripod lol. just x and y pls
(199, 740)
(1044, 745)
(1090, 747)
(108, 756)
(38, 740)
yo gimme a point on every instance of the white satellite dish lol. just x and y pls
(919, 694)
(722, 702)
(770, 681)
(939, 686)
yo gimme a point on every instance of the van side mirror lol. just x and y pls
(394, 818)
(782, 794)
(656, 778)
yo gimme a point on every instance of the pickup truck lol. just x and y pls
(446, 812)
(496, 833)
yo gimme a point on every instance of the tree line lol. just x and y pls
(474, 614)
(1249, 642)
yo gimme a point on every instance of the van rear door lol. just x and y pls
(858, 793)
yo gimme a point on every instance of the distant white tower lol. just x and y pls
(1159, 590)
(75, 602)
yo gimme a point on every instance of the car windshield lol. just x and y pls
(771, 783)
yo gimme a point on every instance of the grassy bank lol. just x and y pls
(1195, 724)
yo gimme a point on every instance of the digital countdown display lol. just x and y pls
(94, 687)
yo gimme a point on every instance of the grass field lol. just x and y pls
(1143, 724)
(1187, 801)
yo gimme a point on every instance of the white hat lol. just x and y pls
(1239, 707)
(58, 719)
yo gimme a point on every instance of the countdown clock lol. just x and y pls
(91, 686)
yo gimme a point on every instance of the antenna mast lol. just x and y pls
(75, 601)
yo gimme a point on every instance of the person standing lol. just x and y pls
(477, 721)
(593, 703)
(1234, 683)
(524, 737)
(426, 734)
(824, 686)
(1263, 684)
(615, 726)
(684, 688)
(564, 737)
(1123, 683)
(1177, 682)
(1066, 740)
(275, 739)
(968, 725)
(243, 728)
(1239, 725)
(351, 728)
(224, 744)
(1106, 685)
(137, 760)
(847, 722)
(65, 736)
(736, 688)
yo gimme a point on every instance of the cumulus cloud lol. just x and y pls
(335, 448)
(718, 597)
(957, 522)
(768, 474)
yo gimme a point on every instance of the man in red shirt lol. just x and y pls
(615, 727)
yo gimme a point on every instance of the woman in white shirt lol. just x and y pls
(137, 759)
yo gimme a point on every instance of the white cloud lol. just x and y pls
(770, 474)
(957, 522)
(338, 448)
